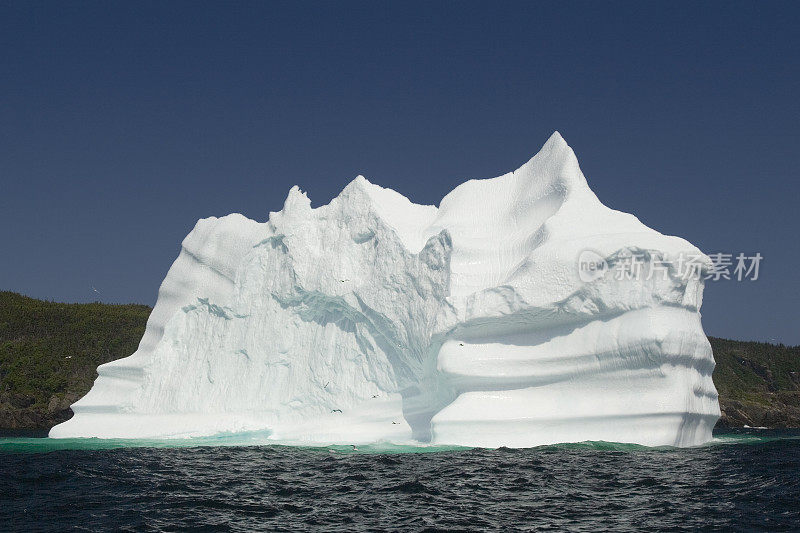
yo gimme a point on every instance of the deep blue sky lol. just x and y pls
(121, 124)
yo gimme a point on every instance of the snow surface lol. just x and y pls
(373, 318)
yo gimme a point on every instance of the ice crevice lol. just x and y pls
(374, 318)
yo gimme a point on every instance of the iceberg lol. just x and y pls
(472, 323)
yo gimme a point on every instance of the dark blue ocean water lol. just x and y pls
(745, 480)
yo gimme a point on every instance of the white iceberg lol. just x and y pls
(373, 318)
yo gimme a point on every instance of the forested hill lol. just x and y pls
(49, 353)
(758, 383)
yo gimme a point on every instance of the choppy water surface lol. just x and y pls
(748, 480)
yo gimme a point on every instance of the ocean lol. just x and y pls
(745, 480)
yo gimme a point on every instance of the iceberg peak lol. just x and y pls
(554, 165)
(555, 140)
(296, 201)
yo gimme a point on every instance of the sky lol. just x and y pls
(122, 123)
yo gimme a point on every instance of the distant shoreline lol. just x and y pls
(49, 353)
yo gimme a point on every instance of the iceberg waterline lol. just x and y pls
(375, 319)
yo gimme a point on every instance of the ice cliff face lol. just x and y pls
(375, 318)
